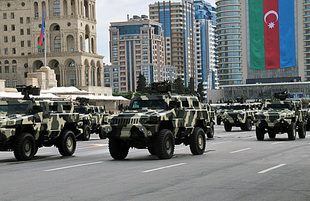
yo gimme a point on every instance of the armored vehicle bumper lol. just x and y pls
(133, 131)
(6, 133)
(235, 119)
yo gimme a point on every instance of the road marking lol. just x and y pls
(218, 143)
(249, 138)
(72, 166)
(165, 167)
(179, 149)
(240, 150)
(272, 168)
(277, 143)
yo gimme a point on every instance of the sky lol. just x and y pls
(116, 11)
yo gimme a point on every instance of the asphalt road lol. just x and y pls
(235, 167)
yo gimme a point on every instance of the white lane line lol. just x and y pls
(165, 167)
(218, 143)
(72, 166)
(277, 143)
(240, 150)
(272, 168)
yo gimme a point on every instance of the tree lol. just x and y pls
(141, 83)
(191, 86)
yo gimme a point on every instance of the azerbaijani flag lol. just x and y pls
(41, 39)
(272, 34)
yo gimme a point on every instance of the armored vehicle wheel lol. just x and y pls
(102, 134)
(227, 126)
(152, 149)
(210, 134)
(67, 143)
(118, 149)
(197, 141)
(218, 120)
(86, 133)
(164, 144)
(292, 131)
(272, 134)
(25, 147)
(302, 130)
(248, 125)
(260, 133)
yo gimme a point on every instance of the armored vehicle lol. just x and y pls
(91, 118)
(158, 122)
(28, 124)
(220, 110)
(281, 116)
(239, 115)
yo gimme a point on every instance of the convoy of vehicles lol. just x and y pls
(155, 122)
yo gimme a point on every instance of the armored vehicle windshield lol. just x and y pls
(14, 108)
(150, 104)
(238, 107)
(277, 106)
(81, 109)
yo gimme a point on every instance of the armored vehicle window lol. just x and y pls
(185, 104)
(81, 110)
(66, 107)
(195, 104)
(14, 108)
(152, 104)
(237, 107)
(278, 106)
(54, 107)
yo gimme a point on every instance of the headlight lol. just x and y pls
(143, 121)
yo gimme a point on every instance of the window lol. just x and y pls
(14, 83)
(0, 69)
(6, 69)
(12, 15)
(21, 20)
(6, 51)
(22, 43)
(28, 20)
(22, 32)
(5, 39)
(13, 27)
(13, 39)
(57, 44)
(72, 79)
(4, 16)
(28, 31)
(7, 83)
(29, 43)
(56, 8)
(5, 28)
(13, 51)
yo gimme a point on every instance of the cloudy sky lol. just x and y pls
(116, 11)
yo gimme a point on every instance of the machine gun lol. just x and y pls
(82, 101)
(28, 90)
(162, 87)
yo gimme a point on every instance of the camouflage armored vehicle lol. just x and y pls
(239, 115)
(91, 118)
(28, 124)
(158, 122)
(220, 110)
(281, 116)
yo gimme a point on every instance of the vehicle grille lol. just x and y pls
(125, 121)
(273, 117)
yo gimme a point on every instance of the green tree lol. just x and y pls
(141, 84)
(179, 85)
(191, 86)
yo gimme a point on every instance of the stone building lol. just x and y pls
(71, 38)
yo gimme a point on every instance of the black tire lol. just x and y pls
(152, 149)
(197, 141)
(86, 133)
(218, 120)
(292, 131)
(271, 133)
(164, 144)
(260, 133)
(25, 147)
(118, 149)
(302, 130)
(67, 143)
(210, 134)
(102, 134)
(227, 126)
(248, 125)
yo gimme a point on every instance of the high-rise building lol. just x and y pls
(70, 36)
(205, 45)
(177, 19)
(236, 32)
(137, 46)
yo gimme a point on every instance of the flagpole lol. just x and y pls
(44, 48)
